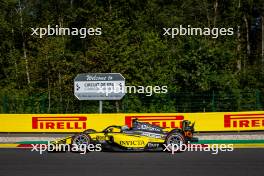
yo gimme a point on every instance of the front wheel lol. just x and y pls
(80, 142)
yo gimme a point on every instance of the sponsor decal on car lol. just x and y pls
(148, 127)
(153, 135)
(162, 121)
(153, 145)
(243, 120)
(74, 122)
(132, 143)
(100, 138)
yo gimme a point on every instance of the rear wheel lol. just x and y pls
(174, 141)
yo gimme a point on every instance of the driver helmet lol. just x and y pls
(135, 120)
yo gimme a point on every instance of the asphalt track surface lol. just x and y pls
(240, 162)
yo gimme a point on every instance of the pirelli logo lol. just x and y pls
(162, 121)
(74, 122)
(244, 121)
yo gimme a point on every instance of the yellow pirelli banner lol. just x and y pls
(62, 123)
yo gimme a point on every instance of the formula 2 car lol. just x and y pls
(140, 137)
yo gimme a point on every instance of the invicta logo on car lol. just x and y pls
(74, 122)
(132, 143)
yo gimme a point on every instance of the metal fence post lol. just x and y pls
(5, 104)
(258, 104)
(213, 102)
(42, 104)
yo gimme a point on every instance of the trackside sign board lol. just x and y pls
(69, 123)
(99, 86)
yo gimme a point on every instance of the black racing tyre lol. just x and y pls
(80, 140)
(176, 139)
